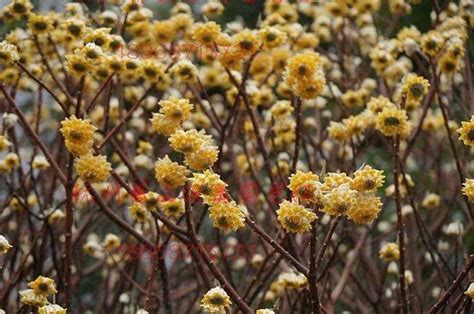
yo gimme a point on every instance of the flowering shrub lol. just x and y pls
(317, 162)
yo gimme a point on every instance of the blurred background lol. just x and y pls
(249, 10)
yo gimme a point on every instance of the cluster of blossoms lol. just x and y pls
(37, 295)
(314, 87)
(337, 195)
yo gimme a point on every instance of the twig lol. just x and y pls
(448, 293)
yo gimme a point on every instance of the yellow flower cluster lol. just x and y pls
(390, 252)
(226, 215)
(468, 189)
(466, 132)
(93, 169)
(173, 112)
(215, 300)
(337, 195)
(170, 174)
(294, 217)
(304, 74)
(5, 246)
(78, 135)
(40, 289)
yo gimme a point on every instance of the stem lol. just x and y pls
(400, 227)
(233, 294)
(448, 293)
(69, 221)
(34, 136)
(258, 230)
(313, 288)
(298, 115)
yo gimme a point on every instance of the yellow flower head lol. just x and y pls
(292, 280)
(175, 109)
(188, 141)
(74, 27)
(8, 53)
(432, 43)
(246, 41)
(19, 8)
(354, 98)
(170, 174)
(212, 8)
(272, 37)
(173, 208)
(431, 201)
(448, 64)
(333, 180)
(365, 208)
(99, 36)
(206, 33)
(93, 169)
(152, 70)
(225, 215)
(164, 31)
(78, 134)
(280, 57)
(303, 67)
(215, 300)
(4, 143)
(150, 200)
(356, 125)
(77, 65)
(138, 212)
(390, 252)
(163, 125)
(377, 104)
(131, 5)
(4, 245)
(185, 72)
(10, 162)
(364, 6)
(339, 201)
(40, 24)
(182, 22)
(468, 189)
(304, 186)
(51, 309)
(111, 242)
(310, 88)
(338, 131)
(30, 297)
(43, 286)
(367, 179)
(294, 217)
(208, 185)
(466, 132)
(392, 121)
(415, 87)
(381, 59)
(203, 158)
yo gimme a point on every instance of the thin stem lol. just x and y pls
(34, 136)
(400, 226)
(233, 294)
(298, 116)
(258, 230)
(313, 287)
(448, 293)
